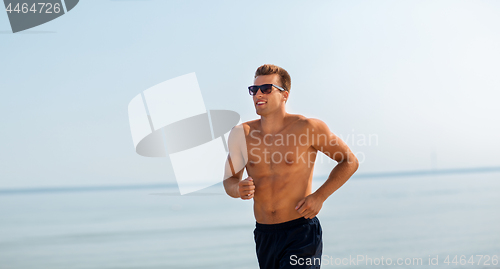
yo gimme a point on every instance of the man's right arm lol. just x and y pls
(235, 165)
(231, 183)
(237, 188)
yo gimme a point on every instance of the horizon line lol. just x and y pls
(409, 173)
(429, 172)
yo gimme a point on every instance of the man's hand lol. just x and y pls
(310, 206)
(246, 188)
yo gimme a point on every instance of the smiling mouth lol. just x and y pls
(261, 103)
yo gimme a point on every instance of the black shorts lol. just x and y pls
(293, 244)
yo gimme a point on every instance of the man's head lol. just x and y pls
(276, 99)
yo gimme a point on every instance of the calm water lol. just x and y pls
(411, 217)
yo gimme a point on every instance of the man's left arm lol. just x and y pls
(331, 145)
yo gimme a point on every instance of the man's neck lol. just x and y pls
(273, 123)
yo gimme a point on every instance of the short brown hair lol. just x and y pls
(269, 69)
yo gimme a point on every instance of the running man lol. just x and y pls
(279, 150)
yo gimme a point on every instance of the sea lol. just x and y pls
(421, 221)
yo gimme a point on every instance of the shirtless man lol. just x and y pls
(278, 151)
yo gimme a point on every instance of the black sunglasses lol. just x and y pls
(265, 89)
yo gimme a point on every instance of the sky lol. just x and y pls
(419, 78)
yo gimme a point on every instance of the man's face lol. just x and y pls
(271, 101)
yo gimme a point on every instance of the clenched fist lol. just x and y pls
(310, 206)
(246, 188)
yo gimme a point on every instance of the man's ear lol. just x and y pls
(285, 95)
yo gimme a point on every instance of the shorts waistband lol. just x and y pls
(284, 225)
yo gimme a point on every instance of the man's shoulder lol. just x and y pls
(245, 126)
(306, 122)
(297, 120)
(250, 125)
(251, 122)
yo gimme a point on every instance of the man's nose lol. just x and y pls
(260, 90)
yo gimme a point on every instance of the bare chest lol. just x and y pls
(279, 152)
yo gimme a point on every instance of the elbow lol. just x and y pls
(225, 183)
(228, 187)
(354, 163)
